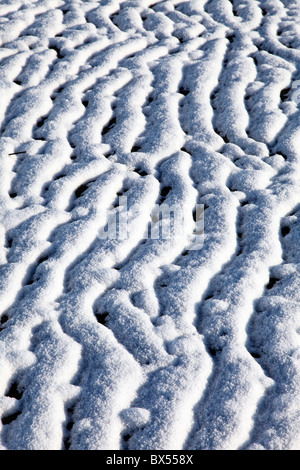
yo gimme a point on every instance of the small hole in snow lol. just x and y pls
(272, 282)
(285, 94)
(141, 172)
(214, 351)
(69, 425)
(101, 317)
(183, 91)
(41, 260)
(165, 191)
(4, 319)
(285, 231)
(56, 49)
(209, 297)
(9, 242)
(230, 37)
(59, 176)
(41, 121)
(255, 355)
(9, 419)
(79, 191)
(14, 391)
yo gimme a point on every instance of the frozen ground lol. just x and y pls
(144, 344)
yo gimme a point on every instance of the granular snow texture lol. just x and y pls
(131, 342)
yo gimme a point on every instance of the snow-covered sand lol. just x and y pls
(133, 342)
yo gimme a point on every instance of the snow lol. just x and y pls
(119, 111)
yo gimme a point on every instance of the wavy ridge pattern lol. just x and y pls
(135, 343)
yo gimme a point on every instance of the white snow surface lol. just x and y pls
(131, 343)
